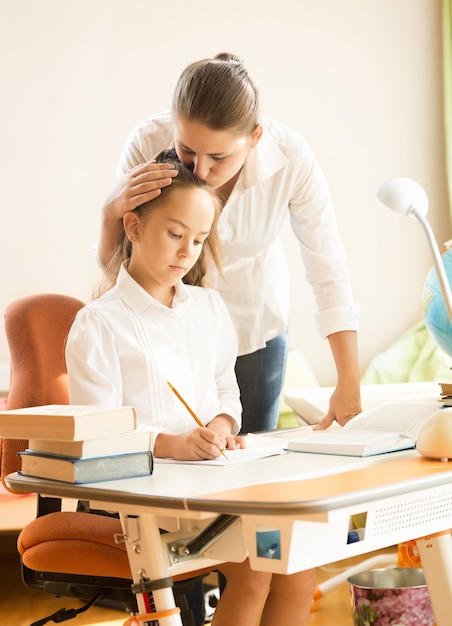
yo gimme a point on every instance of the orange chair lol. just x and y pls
(36, 328)
(94, 567)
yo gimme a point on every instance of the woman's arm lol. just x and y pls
(345, 402)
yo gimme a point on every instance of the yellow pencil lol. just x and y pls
(190, 410)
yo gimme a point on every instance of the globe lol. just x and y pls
(433, 307)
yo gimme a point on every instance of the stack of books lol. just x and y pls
(79, 444)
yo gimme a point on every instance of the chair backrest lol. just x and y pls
(36, 329)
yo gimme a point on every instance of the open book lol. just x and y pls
(387, 428)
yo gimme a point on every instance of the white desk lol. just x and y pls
(303, 501)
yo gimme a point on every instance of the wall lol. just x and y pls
(361, 80)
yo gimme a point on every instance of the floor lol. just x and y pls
(22, 606)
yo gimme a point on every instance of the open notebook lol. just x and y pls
(257, 447)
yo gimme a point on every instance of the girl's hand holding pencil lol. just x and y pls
(218, 425)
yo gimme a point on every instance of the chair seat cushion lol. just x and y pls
(79, 543)
(74, 543)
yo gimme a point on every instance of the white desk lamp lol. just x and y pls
(407, 197)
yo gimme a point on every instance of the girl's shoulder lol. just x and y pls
(96, 307)
(205, 295)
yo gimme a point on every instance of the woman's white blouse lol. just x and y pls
(124, 347)
(280, 174)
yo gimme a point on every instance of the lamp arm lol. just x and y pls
(439, 265)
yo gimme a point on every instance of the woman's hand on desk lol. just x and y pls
(345, 403)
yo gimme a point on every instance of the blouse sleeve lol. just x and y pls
(227, 387)
(94, 373)
(314, 224)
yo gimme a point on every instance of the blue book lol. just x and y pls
(88, 469)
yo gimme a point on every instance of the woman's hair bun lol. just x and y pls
(228, 57)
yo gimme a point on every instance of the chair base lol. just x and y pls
(116, 592)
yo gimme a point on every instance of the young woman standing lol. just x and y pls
(263, 171)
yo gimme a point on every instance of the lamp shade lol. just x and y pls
(407, 197)
(403, 195)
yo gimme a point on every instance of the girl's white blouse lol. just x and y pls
(280, 176)
(124, 347)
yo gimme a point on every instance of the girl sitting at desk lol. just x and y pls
(150, 328)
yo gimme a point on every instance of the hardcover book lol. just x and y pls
(66, 422)
(89, 469)
(133, 441)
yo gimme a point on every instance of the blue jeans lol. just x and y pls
(260, 376)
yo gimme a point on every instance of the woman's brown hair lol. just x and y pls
(218, 93)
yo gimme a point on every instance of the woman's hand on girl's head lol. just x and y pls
(139, 185)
